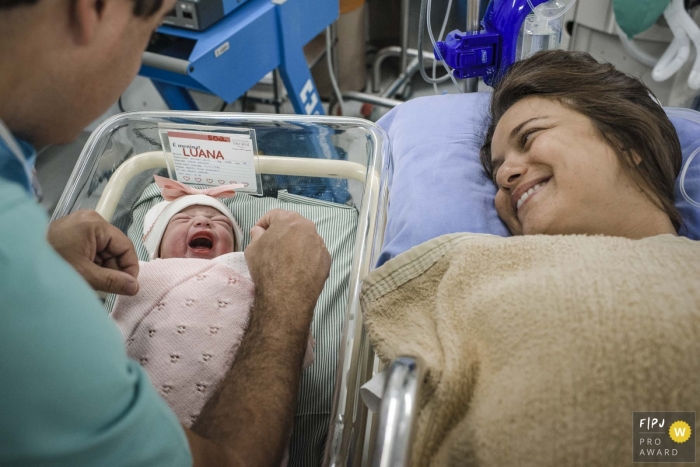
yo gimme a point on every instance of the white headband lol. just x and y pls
(158, 217)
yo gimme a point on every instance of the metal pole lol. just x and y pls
(472, 84)
(371, 99)
(405, 12)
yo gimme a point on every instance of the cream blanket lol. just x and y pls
(539, 348)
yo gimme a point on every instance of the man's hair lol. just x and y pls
(621, 108)
(141, 7)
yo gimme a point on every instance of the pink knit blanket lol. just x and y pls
(185, 325)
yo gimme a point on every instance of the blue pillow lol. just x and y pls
(438, 185)
(687, 123)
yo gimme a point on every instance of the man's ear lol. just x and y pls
(86, 17)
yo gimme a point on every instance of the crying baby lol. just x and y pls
(195, 298)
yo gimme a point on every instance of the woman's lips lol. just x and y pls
(525, 192)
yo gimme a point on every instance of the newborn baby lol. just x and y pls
(187, 321)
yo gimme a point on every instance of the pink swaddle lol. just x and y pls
(185, 326)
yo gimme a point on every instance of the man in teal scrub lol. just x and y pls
(69, 396)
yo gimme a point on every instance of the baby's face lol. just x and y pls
(197, 232)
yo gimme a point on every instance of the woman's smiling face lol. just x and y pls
(556, 174)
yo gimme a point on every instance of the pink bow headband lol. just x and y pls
(172, 190)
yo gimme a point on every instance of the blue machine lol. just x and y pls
(235, 53)
(511, 31)
(199, 14)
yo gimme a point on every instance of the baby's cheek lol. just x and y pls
(172, 244)
(231, 243)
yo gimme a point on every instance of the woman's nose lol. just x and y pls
(510, 173)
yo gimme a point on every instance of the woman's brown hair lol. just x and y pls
(621, 108)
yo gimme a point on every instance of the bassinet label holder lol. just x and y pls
(211, 158)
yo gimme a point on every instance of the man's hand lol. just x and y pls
(100, 252)
(255, 403)
(288, 261)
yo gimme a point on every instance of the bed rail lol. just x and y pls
(107, 204)
(398, 413)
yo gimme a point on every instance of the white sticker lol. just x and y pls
(220, 50)
(213, 158)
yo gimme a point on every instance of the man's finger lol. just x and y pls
(255, 233)
(112, 242)
(270, 217)
(111, 280)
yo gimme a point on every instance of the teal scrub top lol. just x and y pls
(69, 395)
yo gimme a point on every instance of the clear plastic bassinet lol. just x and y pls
(334, 166)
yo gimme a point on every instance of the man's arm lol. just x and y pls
(250, 417)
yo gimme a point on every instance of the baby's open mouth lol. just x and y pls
(201, 242)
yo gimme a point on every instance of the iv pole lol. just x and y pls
(472, 84)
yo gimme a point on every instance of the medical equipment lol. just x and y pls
(199, 14)
(683, 28)
(636, 16)
(512, 31)
(234, 54)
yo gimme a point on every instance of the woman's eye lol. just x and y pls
(525, 137)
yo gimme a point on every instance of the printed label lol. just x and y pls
(220, 50)
(213, 158)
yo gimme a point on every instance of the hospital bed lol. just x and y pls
(424, 186)
(331, 170)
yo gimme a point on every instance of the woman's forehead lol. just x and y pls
(525, 109)
(533, 109)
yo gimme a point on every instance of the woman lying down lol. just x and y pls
(195, 297)
(540, 347)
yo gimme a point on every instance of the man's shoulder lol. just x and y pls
(13, 196)
(23, 226)
(20, 215)
(61, 351)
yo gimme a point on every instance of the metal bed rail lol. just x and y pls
(397, 414)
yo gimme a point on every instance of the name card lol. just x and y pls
(211, 158)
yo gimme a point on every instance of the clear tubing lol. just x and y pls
(693, 32)
(561, 13)
(683, 175)
(634, 51)
(442, 32)
(421, 67)
(432, 39)
(676, 54)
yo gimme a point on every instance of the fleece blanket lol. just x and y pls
(538, 349)
(186, 324)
